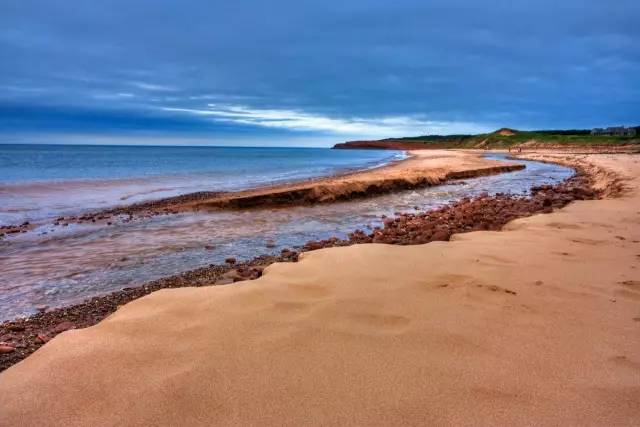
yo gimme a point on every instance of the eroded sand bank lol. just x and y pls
(535, 325)
(421, 169)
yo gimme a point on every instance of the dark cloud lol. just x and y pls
(443, 65)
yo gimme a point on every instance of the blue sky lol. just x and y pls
(312, 72)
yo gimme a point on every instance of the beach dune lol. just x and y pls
(535, 325)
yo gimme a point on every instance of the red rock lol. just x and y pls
(313, 245)
(16, 327)
(64, 326)
(5, 349)
(440, 235)
(41, 338)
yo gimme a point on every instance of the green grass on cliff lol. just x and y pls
(533, 138)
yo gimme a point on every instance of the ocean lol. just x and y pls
(38, 182)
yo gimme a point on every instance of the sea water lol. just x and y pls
(44, 181)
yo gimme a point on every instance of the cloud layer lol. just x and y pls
(341, 69)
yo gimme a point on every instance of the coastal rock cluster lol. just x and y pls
(20, 338)
(14, 229)
(484, 212)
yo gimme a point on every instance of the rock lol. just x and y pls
(256, 272)
(270, 243)
(5, 349)
(16, 327)
(287, 253)
(230, 260)
(42, 338)
(313, 245)
(64, 326)
(440, 235)
(42, 308)
(209, 247)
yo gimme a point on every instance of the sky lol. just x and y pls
(255, 72)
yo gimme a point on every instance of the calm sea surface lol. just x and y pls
(43, 181)
(57, 266)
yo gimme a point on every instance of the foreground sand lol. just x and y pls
(375, 334)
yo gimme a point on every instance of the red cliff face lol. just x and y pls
(387, 144)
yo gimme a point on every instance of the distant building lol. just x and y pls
(614, 131)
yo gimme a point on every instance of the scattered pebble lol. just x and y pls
(4, 349)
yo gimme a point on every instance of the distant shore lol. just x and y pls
(507, 139)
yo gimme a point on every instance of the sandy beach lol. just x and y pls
(410, 213)
(537, 324)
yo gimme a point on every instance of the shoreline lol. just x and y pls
(150, 207)
(34, 331)
(420, 169)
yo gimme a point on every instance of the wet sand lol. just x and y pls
(538, 324)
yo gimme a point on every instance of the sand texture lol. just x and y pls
(535, 325)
